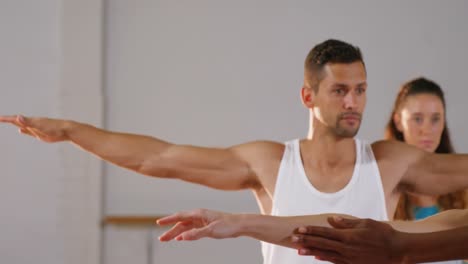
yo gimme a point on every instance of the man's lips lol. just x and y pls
(351, 117)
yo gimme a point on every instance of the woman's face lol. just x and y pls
(421, 120)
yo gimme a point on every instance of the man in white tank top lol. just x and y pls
(328, 171)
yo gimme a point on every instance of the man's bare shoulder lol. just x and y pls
(392, 158)
(388, 148)
(395, 151)
(264, 158)
(261, 149)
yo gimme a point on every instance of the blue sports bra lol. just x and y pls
(423, 212)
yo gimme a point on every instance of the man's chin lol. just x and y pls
(349, 133)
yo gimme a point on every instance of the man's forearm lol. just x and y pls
(440, 222)
(277, 229)
(438, 174)
(125, 150)
(441, 237)
(435, 246)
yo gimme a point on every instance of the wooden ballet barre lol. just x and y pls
(138, 221)
(131, 220)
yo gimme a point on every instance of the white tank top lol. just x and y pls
(362, 197)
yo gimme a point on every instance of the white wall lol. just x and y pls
(50, 65)
(223, 72)
(81, 98)
(30, 58)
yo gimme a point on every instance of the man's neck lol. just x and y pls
(329, 149)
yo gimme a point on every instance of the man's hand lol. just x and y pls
(353, 241)
(45, 129)
(199, 223)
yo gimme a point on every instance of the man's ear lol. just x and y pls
(307, 96)
(397, 121)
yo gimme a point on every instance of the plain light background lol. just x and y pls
(213, 73)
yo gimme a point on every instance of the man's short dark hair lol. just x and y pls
(329, 51)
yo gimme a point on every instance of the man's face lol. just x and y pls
(341, 98)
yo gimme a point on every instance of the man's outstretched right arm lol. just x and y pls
(222, 168)
(440, 237)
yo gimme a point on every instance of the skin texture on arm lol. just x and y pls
(444, 237)
(445, 220)
(357, 240)
(422, 172)
(230, 168)
(200, 223)
(437, 246)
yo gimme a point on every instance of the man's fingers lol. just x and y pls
(176, 230)
(35, 133)
(18, 120)
(333, 260)
(307, 241)
(195, 234)
(325, 255)
(342, 223)
(40, 134)
(174, 218)
(12, 120)
(194, 215)
(8, 119)
(320, 231)
(21, 120)
(25, 131)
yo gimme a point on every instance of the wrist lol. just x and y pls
(244, 225)
(68, 127)
(406, 248)
(399, 247)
